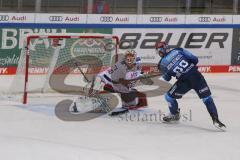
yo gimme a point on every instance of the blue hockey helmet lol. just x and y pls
(161, 48)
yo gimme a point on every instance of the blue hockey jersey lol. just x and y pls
(178, 63)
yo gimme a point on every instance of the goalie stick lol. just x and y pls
(101, 101)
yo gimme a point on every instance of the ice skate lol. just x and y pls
(119, 111)
(172, 117)
(218, 124)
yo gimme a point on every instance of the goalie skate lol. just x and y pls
(119, 111)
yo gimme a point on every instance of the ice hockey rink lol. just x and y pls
(35, 133)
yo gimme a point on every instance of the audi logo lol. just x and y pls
(4, 17)
(106, 19)
(56, 18)
(156, 19)
(204, 19)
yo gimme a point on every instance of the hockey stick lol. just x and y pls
(90, 92)
(145, 77)
(135, 79)
(82, 72)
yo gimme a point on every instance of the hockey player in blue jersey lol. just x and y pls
(181, 64)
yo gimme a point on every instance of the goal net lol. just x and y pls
(62, 63)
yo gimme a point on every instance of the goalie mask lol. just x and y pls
(162, 48)
(130, 57)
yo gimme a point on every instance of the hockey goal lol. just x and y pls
(54, 62)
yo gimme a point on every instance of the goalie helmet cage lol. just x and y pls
(62, 48)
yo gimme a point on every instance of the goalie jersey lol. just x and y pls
(121, 71)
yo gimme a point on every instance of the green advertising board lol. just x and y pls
(12, 40)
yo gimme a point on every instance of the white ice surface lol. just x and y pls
(35, 133)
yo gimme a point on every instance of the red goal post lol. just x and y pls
(58, 46)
